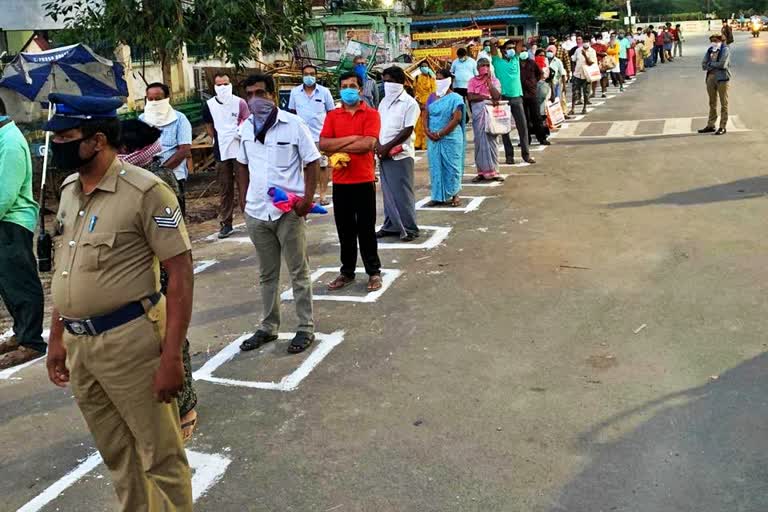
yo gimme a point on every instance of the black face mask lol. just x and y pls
(66, 155)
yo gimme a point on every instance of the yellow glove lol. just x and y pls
(339, 160)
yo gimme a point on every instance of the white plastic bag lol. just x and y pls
(499, 119)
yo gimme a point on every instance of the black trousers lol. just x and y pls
(20, 286)
(183, 197)
(354, 209)
(534, 119)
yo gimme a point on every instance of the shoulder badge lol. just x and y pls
(170, 220)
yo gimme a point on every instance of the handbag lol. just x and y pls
(499, 119)
(592, 72)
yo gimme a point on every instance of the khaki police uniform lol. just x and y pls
(107, 255)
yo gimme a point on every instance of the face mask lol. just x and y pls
(463, 59)
(260, 109)
(66, 155)
(510, 53)
(442, 86)
(159, 112)
(573, 39)
(586, 46)
(392, 90)
(360, 70)
(487, 49)
(523, 55)
(350, 96)
(309, 81)
(714, 46)
(4, 119)
(550, 55)
(593, 40)
(483, 70)
(223, 92)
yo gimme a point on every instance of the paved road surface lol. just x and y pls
(589, 339)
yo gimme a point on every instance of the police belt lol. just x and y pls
(100, 324)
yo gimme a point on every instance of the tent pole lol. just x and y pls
(45, 154)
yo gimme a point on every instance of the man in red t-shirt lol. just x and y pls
(353, 129)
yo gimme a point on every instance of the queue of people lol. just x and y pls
(120, 340)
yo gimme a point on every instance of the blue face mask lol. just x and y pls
(350, 96)
(4, 119)
(360, 70)
(550, 55)
(424, 70)
(510, 53)
(523, 55)
(309, 81)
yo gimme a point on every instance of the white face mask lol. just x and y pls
(223, 92)
(159, 112)
(443, 86)
(392, 90)
(714, 46)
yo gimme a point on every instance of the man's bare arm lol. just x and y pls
(182, 153)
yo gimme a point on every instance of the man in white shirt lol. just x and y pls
(277, 150)
(311, 102)
(223, 114)
(583, 57)
(399, 113)
(485, 53)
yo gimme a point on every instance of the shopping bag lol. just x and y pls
(555, 116)
(592, 72)
(499, 119)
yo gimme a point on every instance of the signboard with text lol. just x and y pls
(447, 34)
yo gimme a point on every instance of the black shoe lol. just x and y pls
(301, 342)
(226, 230)
(410, 237)
(545, 143)
(510, 161)
(529, 159)
(721, 131)
(384, 234)
(707, 129)
(258, 340)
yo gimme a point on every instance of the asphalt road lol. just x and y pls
(588, 339)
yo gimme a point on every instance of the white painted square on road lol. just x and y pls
(324, 344)
(486, 183)
(474, 204)
(207, 469)
(388, 277)
(438, 236)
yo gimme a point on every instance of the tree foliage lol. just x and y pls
(564, 14)
(420, 7)
(233, 30)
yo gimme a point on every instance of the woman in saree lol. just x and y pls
(444, 123)
(423, 87)
(140, 146)
(484, 89)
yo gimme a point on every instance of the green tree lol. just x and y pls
(564, 14)
(420, 7)
(233, 30)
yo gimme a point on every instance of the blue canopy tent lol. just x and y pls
(74, 69)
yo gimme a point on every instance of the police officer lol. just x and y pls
(114, 338)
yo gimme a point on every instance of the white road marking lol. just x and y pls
(204, 265)
(208, 469)
(388, 277)
(622, 129)
(674, 126)
(440, 233)
(486, 183)
(474, 204)
(326, 343)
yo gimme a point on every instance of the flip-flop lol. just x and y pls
(188, 427)
(374, 283)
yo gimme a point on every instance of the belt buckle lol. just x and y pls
(82, 328)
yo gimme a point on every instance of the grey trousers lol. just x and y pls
(521, 123)
(287, 237)
(399, 199)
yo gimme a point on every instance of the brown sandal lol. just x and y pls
(374, 283)
(340, 282)
(433, 203)
(455, 202)
(188, 424)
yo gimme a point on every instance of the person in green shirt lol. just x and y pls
(20, 286)
(506, 63)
